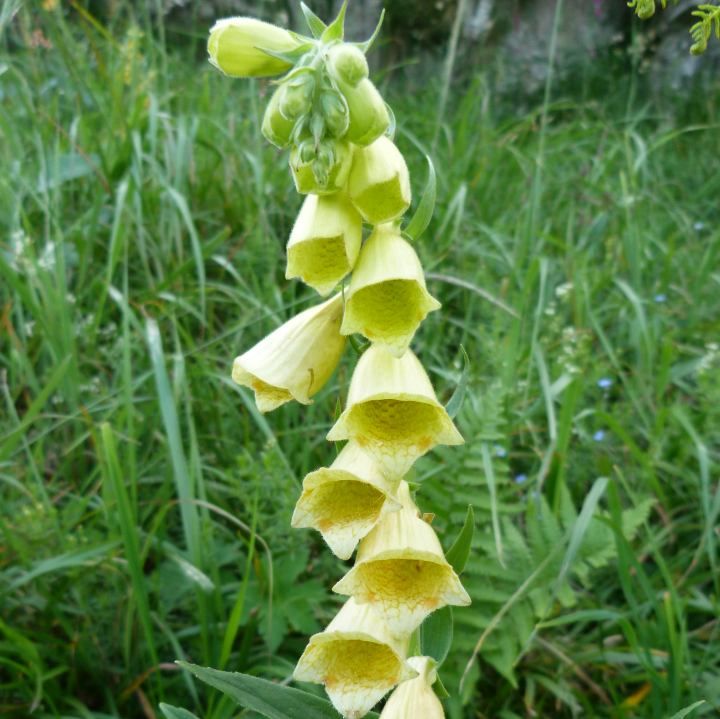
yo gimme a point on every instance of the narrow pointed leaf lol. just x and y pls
(426, 206)
(440, 690)
(316, 25)
(455, 403)
(688, 710)
(436, 634)
(458, 554)
(172, 712)
(336, 29)
(365, 46)
(273, 701)
(291, 56)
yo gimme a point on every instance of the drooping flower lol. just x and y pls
(237, 47)
(401, 570)
(296, 360)
(344, 501)
(392, 411)
(324, 242)
(379, 182)
(414, 698)
(356, 658)
(387, 298)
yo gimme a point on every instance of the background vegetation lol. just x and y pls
(145, 504)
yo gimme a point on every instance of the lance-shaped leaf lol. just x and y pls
(325, 242)
(357, 658)
(379, 182)
(237, 46)
(344, 501)
(296, 360)
(392, 411)
(401, 571)
(387, 298)
(414, 698)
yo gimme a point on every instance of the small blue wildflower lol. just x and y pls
(520, 478)
(604, 382)
(500, 451)
(660, 297)
(599, 436)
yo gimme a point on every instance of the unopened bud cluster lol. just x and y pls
(333, 120)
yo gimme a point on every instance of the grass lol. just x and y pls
(145, 504)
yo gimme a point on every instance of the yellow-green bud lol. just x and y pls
(369, 117)
(347, 63)
(276, 128)
(334, 158)
(379, 182)
(297, 96)
(236, 46)
(334, 112)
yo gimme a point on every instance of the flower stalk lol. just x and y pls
(333, 120)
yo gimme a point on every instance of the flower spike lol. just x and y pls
(356, 658)
(392, 411)
(296, 360)
(387, 299)
(344, 501)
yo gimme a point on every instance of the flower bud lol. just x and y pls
(347, 63)
(387, 298)
(324, 242)
(276, 128)
(334, 157)
(414, 698)
(379, 182)
(296, 360)
(236, 47)
(401, 571)
(334, 112)
(392, 411)
(369, 117)
(297, 97)
(344, 501)
(356, 658)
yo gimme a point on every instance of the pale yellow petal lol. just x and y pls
(379, 182)
(392, 411)
(344, 501)
(325, 242)
(414, 698)
(401, 571)
(296, 360)
(356, 658)
(387, 298)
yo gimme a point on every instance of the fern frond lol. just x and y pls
(709, 22)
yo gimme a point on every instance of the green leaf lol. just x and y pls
(687, 710)
(440, 690)
(458, 554)
(436, 634)
(455, 403)
(172, 712)
(316, 25)
(365, 46)
(273, 701)
(336, 29)
(291, 56)
(424, 212)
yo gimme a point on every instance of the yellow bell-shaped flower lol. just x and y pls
(344, 501)
(414, 698)
(369, 117)
(401, 570)
(379, 182)
(296, 360)
(387, 298)
(325, 241)
(392, 411)
(237, 47)
(356, 658)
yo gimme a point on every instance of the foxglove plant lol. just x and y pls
(326, 111)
